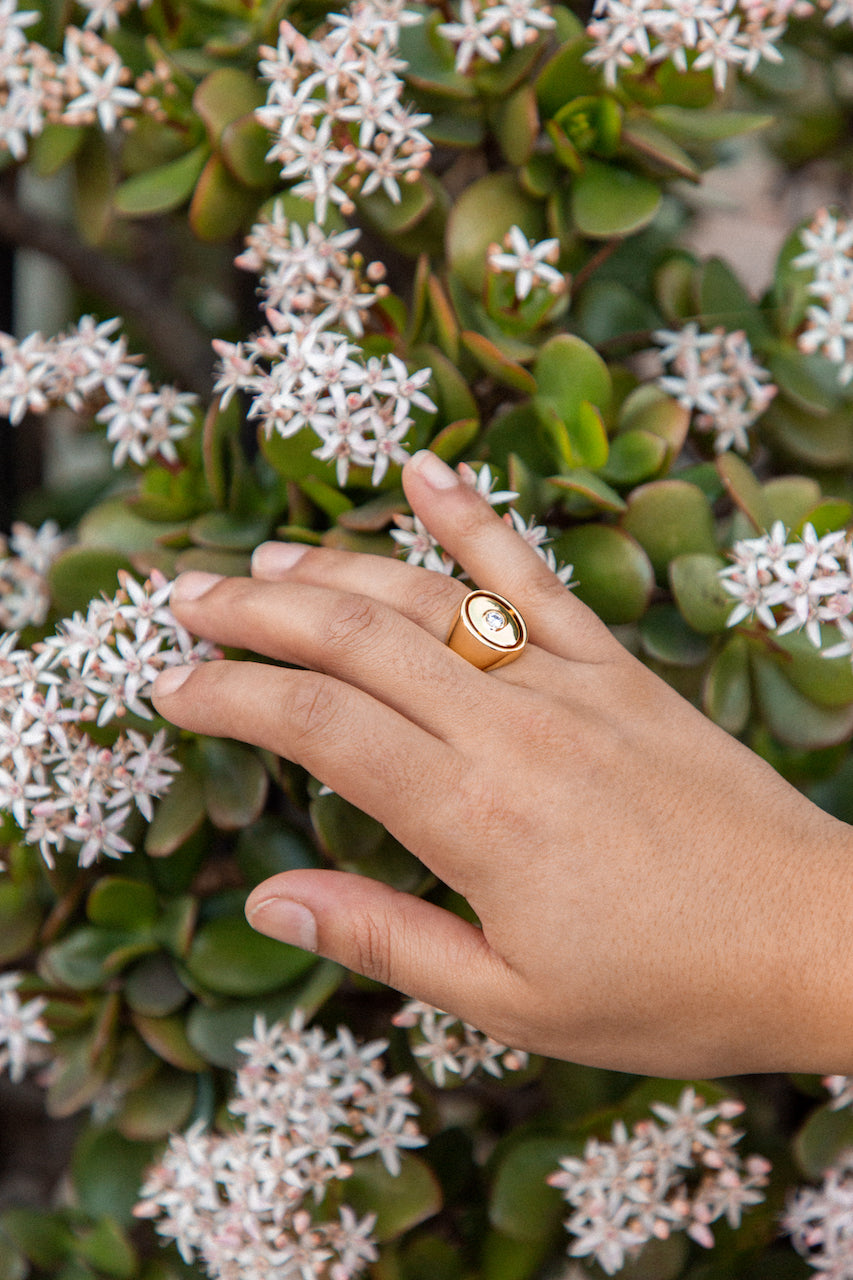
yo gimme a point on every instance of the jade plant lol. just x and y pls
(301, 243)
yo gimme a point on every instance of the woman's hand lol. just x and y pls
(653, 896)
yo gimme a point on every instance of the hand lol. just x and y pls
(653, 896)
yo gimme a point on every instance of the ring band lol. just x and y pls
(487, 631)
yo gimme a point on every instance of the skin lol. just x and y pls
(653, 897)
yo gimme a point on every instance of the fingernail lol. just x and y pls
(191, 585)
(271, 558)
(170, 680)
(286, 920)
(437, 474)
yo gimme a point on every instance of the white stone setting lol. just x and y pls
(495, 619)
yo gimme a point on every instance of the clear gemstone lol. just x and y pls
(494, 619)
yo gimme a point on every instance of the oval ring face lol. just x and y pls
(488, 631)
(493, 620)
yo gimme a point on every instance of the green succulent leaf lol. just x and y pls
(726, 693)
(701, 598)
(235, 783)
(108, 1249)
(790, 716)
(153, 987)
(107, 1171)
(116, 902)
(44, 1239)
(610, 201)
(666, 637)
(634, 456)
(522, 1205)
(229, 958)
(482, 216)
(221, 206)
(20, 920)
(166, 187)
(167, 1037)
(822, 1139)
(790, 499)
(690, 125)
(400, 1202)
(214, 1030)
(177, 816)
(224, 96)
(158, 1108)
(670, 518)
(613, 572)
(80, 574)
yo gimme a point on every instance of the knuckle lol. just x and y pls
(352, 621)
(433, 601)
(373, 950)
(314, 711)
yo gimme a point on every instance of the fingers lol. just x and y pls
(347, 635)
(430, 599)
(497, 559)
(361, 748)
(392, 937)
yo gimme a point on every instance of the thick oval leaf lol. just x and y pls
(517, 125)
(522, 1205)
(743, 489)
(107, 1248)
(159, 1108)
(565, 76)
(698, 590)
(827, 516)
(115, 524)
(493, 360)
(790, 498)
(235, 783)
(807, 437)
(229, 958)
(107, 1171)
(826, 681)
(396, 217)
(161, 189)
(153, 987)
(243, 146)
(613, 572)
(590, 486)
(650, 409)
(267, 847)
(824, 1136)
(214, 1031)
(726, 693)
(81, 574)
(44, 1239)
(724, 301)
(228, 532)
(226, 95)
(570, 375)
(793, 718)
(634, 456)
(179, 813)
(666, 637)
(117, 902)
(399, 1203)
(221, 206)
(610, 201)
(80, 960)
(167, 1038)
(481, 216)
(20, 920)
(670, 518)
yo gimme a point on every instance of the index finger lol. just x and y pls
(497, 559)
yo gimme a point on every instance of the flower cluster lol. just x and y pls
(24, 593)
(809, 582)
(21, 1027)
(486, 28)
(528, 264)
(681, 1174)
(310, 377)
(335, 111)
(819, 1221)
(89, 367)
(419, 546)
(716, 375)
(828, 328)
(309, 274)
(444, 1043)
(58, 784)
(252, 1202)
(89, 84)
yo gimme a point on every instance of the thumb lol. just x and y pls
(414, 946)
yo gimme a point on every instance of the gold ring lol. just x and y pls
(487, 631)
